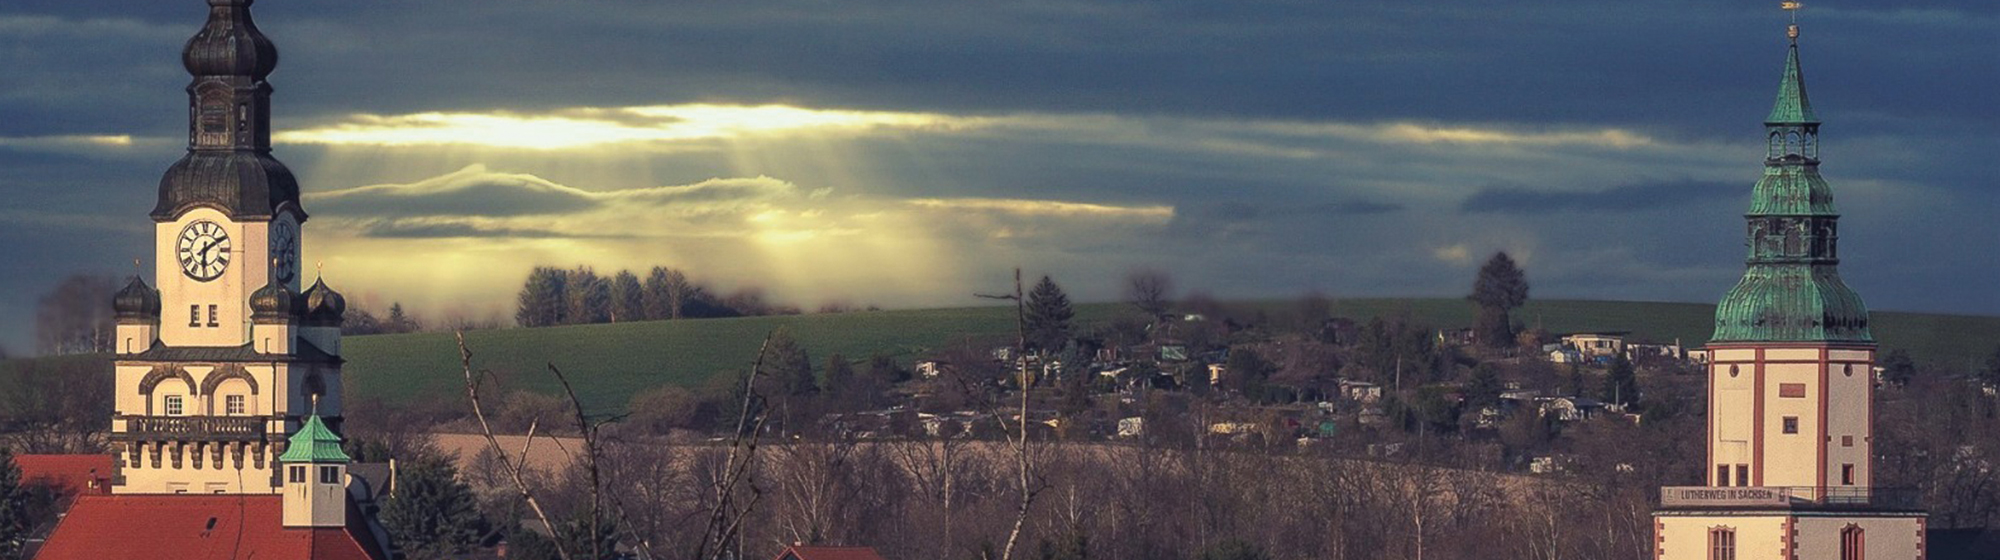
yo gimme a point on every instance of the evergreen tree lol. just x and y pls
(1621, 384)
(1248, 373)
(1234, 549)
(1499, 288)
(628, 298)
(884, 370)
(1897, 367)
(787, 368)
(1575, 380)
(544, 300)
(401, 322)
(1048, 315)
(1076, 546)
(13, 507)
(840, 377)
(433, 514)
(589, 298)
(1485, 387)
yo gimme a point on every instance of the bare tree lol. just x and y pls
(1031, 484)
(1150, 290)
(75, 317)
(514, 470)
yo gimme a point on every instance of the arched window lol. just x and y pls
(1722, 543)
(1853, 543)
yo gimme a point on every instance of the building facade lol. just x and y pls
(227, 397)
(228, 355)
(1791, 388)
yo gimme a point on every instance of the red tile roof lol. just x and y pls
(800, 552)
(196, 527)
(68, 474)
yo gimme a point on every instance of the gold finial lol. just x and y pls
(319, 269)
(1792, 7)
(138, 269)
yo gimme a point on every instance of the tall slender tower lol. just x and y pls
(1790, 376)
(216, 366)
(1790, 383)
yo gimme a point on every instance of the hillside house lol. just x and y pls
(1640, 351)
(1360, 391)
(802, 552)
(1596, 344)
(1570, 409)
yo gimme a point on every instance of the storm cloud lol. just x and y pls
(899, 151)
(1623, 198)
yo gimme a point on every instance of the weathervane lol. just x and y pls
(1791, 7)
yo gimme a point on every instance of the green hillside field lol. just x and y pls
(611, 362)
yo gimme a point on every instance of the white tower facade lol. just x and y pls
(1790, 385)
(215, 366)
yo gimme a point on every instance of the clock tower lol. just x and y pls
(228, 355)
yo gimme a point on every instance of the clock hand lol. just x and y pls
(201, 254)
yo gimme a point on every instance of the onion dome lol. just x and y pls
(323, 306)
(230, 45)
(272, 303)
(137, 302)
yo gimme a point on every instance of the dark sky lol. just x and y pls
(907, 153)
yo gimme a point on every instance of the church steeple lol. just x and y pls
(228, 165)
(1792, 289)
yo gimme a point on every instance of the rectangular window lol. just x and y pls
(211, 316)
(1853, 543)
(1721, 544)
(232, 405)
(1847, 441)
(329, 475)
(1742, 475)
(1791, 424)
(1722, 475)
(1792, 390)
(174, 407)
(1847, 474)
(297, 473)
(194, 315)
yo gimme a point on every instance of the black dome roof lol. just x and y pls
(137, 301)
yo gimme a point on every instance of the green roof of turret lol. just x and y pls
(1792, 106)
(314, 443)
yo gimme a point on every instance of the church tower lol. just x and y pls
(219, 363)
(1790, 383)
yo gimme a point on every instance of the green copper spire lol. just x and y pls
(314, 444)
(1791, 291)
(1792, 106)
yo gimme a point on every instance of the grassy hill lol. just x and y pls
(611, 362)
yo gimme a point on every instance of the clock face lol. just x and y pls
(203, 247)
(285, 252)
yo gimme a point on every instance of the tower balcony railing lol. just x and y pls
(192, 428)
(1791, 497)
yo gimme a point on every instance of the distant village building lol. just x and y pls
(227, 407)
(1593, 345)
(1360, 391)
(803, 552)
(1790, 462)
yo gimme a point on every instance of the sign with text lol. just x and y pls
(1706, 496)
